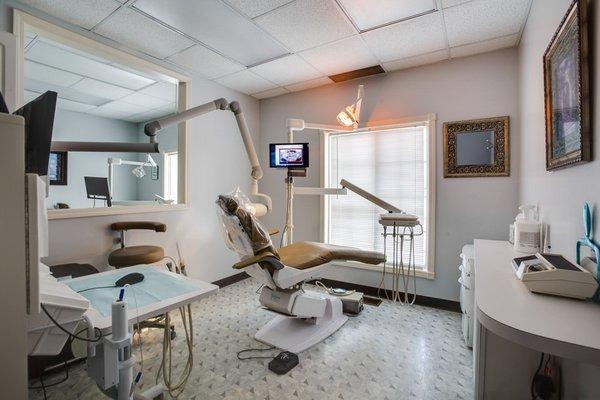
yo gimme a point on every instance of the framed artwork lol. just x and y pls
(57, 167)
(566, 91)
(478, 147)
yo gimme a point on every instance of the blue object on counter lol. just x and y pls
(155, 287)
(588, 241)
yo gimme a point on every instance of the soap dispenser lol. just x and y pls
(527, 230)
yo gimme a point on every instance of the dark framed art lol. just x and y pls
(478, 147)
(566, 91)
(57, 167)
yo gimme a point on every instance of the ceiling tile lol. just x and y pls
(63, 59)
(152, 115)
(410, 62)
(28, 95)
(246, 82)
(101, 89)
(51, 75)
(369, 14)
(162, 90)
(85, 13)
(218, 26)
(452, 3)
(309, 84)
(271, 93)
(139, 32)
(205, 62)
(122, 106)
(70, 105)
(65, 93)
(406, 39)
(108, 113)
(307, 23)
(286, 70)
(484, 19)
(482, 47)
(149, 102)
(254, 8)
(342, 56)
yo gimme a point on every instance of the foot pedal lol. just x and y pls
(283, 363)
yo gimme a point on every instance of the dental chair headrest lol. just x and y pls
(258, 235)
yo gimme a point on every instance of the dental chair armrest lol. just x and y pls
(265, 260)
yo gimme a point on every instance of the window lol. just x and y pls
(170, 176)
(392, 162)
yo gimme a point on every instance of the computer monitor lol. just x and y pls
(288, 155)
(39, 122)
(97, 189)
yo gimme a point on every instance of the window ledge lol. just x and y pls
(104, 211)
(420, 273)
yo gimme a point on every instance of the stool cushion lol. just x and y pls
(135, 255)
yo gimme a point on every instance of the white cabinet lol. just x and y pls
(467, 291)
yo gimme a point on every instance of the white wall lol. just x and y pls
(467, 208)
(561, 193)
(196, 229)
(76, 126)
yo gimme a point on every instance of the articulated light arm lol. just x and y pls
(370, 197)
(264, 204)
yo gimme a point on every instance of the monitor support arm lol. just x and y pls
(370, 197)
(263, 203)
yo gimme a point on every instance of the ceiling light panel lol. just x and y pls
(254, 8)
(85, 13)
(205, 62)
(162, 90)
(47, 54)
(149, 102)
(408, 38)
(218, 26)
(101, 89)
(482, 47)
(70, 105)
(139, 32)
(486, 19)
(309, 84)
(64, 92)
(370, 14)
(246, 82)
(416, 61)
(307, 23)
(51, 75)
(287, 70)
(344, 55)
(271, 93)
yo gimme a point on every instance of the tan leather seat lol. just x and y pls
(135, 255)
(302, 255)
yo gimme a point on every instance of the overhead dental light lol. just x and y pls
(350, 115)
(139, 171)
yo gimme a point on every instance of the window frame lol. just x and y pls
(429, 120)
(166, 170)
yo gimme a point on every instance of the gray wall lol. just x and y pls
(196, 229)
(561, 193)
(69, 125)
(467, 208)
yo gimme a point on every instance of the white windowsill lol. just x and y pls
(420, 273)
(104, 211)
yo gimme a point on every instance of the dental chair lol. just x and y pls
(306, 317)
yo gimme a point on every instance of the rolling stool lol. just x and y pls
(129, 256)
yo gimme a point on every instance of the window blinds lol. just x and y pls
(392, 164)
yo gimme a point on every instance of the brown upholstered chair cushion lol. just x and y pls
(135, 255)
(302, 255)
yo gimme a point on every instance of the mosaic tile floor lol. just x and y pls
(389, 352)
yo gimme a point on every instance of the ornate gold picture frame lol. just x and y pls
(479, 147)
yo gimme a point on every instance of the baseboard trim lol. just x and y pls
(443, 304)
(230, 280)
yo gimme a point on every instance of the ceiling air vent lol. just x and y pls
(357, 73)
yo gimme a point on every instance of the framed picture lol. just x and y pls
(57, 167)
(478, 147)
(566, 91)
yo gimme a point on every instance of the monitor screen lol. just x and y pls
(39, 121)
(288, 155)
(97, 188)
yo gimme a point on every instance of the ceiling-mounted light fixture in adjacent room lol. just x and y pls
(350, 115)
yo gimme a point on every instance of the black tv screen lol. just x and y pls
(39, 121)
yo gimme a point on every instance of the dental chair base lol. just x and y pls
(310, 318)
